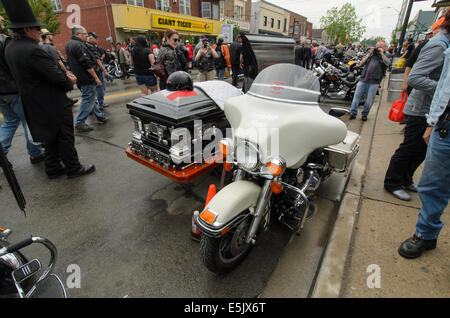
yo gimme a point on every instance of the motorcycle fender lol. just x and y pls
(228, 203)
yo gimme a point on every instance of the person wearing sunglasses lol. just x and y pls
(170, 56)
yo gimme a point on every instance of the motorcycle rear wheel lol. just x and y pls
(221, 255)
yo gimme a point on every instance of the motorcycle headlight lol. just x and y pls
(276, 166)
(247, 155)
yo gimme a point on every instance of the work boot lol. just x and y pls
(414, 246)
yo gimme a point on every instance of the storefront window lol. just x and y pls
(185, 7)
(206, 10)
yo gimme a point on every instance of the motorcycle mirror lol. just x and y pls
(338, 112)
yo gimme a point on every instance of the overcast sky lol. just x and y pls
(378, 18)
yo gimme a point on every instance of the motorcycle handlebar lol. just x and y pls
(16, 246)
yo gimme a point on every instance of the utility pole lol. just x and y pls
(405, 26)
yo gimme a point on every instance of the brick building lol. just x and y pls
(118, 20)
(237, 12)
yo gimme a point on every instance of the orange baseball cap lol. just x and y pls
(438, 23)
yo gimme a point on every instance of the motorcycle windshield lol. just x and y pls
(287, 83)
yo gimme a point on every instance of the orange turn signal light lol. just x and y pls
(224, 149)
(208, 216)
(225, 231)
(227, 166)
(274, 169)
(276, 187)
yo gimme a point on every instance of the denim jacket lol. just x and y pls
(442, 93)
(425, 75)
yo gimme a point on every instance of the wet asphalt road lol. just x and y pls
(125, 226)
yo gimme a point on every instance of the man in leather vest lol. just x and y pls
(82, 64)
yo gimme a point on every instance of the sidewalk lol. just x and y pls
(372, 224)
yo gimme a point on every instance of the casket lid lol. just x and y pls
(174, 105)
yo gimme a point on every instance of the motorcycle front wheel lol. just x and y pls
(118, 73)
(221, 255)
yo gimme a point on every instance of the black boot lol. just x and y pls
(414, 246)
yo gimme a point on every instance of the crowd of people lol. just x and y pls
(306, 54)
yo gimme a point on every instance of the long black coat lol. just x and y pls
(42, 85)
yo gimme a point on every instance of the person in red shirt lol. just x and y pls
(190, 49)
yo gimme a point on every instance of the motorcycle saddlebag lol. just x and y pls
(340, 156)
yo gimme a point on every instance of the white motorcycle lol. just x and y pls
(282, 147)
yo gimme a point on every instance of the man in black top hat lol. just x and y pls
(43, 86)
(11, 107)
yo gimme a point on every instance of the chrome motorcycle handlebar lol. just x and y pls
(28, 241)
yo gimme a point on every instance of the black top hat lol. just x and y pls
(93, 34)
(20, 14)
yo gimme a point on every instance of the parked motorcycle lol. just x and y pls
(268, 184)
(113, 69)
(337, 82)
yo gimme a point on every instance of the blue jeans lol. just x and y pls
(220, 73)
(101, 90)
(12, 110)
(364, 88)
(88, 104)
(434, 187)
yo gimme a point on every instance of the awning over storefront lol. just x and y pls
(138, 18)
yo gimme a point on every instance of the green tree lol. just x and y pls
(394, 39)
(342, 24)
(43, 11)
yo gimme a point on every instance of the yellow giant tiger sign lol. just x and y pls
(166, 22)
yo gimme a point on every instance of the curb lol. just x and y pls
(331, 273)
